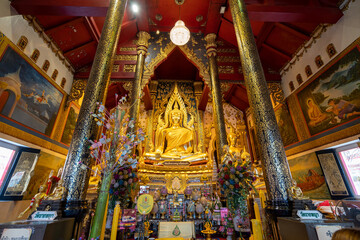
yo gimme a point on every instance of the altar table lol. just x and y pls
(177, 229)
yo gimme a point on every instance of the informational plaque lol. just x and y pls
(16, 233)
(325, 232)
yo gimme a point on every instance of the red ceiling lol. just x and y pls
(280, 27)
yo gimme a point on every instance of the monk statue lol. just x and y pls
(35, 201)
(175, 137)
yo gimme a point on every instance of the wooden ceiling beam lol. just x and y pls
(214, 16)
(61, 7)
(287, 57)
(293, 31)
(304, 14)
(143, 17)
(264, 33)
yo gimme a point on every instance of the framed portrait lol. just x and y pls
(332, 97)
(19, 174)
(28, 98)
(333, 173)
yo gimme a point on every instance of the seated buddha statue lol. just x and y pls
(176, 140)
(233, 149)
(175, 135)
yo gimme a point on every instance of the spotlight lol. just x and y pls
(222, 9)
(135, 8)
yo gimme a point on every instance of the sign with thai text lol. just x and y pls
(309, 214)
(16, 234)
(44, 215)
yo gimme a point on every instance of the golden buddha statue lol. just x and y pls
(175, 137)
(296, 192)
(176, 140)
(233, 149)
(35, 201)
(58, 192)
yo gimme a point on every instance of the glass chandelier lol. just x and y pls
(179, 34)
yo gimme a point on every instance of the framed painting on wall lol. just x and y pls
(27, 96)
(20, 174)
(307, 173)
(332, 97)
(286, 125)
(69, 127)
(333, 175)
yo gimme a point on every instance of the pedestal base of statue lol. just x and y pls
(43, 230)
(273, 210)
(295, 229)
(53, 205)
(304, 204)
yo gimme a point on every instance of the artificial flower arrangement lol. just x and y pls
(113, 152)
(236, 179)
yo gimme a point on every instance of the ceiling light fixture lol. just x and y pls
(222, 9)
(179, 34)
(135, 8)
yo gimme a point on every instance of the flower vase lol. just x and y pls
(229, 236)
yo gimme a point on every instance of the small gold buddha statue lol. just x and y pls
(58, 192)
(233, 149)
(35, 201)
(296, 192)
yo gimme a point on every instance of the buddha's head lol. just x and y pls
(176, 116)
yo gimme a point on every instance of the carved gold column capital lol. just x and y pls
(142, 42)
(211, 44)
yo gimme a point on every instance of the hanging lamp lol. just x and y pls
(179, 34)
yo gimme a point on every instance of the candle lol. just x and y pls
(262, 198)
(102, 235)
(256, 227)
(115, 222)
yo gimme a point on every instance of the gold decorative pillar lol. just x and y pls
(142, 46)
(75, 176)
(218, 114)
(272, 153)
(149, 144)
(198, 86)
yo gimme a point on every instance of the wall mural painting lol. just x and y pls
(306, 171)
(26, 96)
(70, 124)
(286, 125)
(333, 98)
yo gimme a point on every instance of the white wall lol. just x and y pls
(5, 9)
(15, 26)
(341, 34)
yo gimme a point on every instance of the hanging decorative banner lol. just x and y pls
(145, 204)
